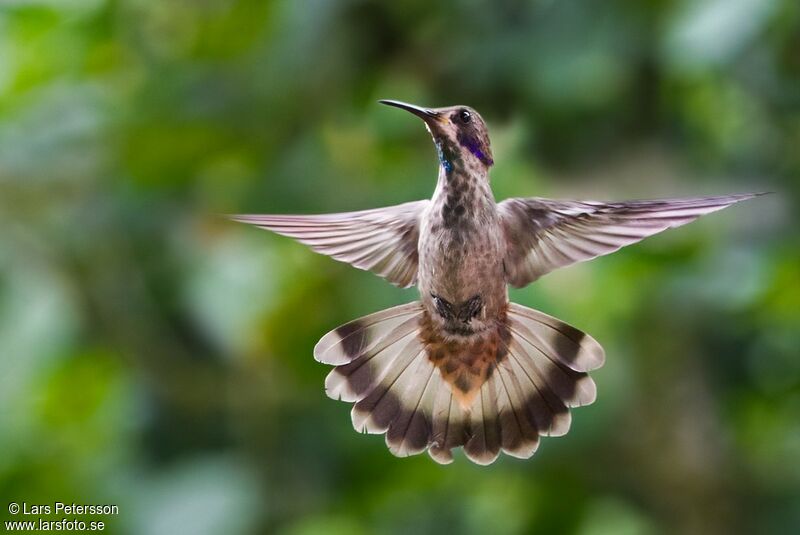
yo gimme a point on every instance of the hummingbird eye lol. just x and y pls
(465, 116)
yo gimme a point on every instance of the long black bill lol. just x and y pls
(424, 113)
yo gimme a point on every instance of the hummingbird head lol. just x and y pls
(459, 133)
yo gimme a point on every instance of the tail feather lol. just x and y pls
(376, 411)
(349, 382)
(547, 411)
(484, 445)
(385, 367)
(408, 433)
(559, 341)
(575, 389)
(355, 338)
(442, 426)
(520, 438)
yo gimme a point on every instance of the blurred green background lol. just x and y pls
(155, 356)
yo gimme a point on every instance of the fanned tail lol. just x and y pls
(405, 388)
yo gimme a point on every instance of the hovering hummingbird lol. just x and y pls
(463, 366)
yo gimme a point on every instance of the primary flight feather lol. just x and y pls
(462, 366)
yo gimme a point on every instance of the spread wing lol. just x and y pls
(544, 234)
(383, 240)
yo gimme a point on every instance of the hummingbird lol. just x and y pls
(463, 366)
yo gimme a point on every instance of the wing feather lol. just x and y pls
(544, 234)
(381, 240)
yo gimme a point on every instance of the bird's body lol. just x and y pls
(461, 279)
(461, 248)
(463, 366)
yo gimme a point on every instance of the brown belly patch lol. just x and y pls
(465, 365)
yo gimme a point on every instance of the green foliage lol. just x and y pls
(156, 356)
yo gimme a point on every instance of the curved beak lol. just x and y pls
(426, 114)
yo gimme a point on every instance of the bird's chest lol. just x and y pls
(460, 248)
